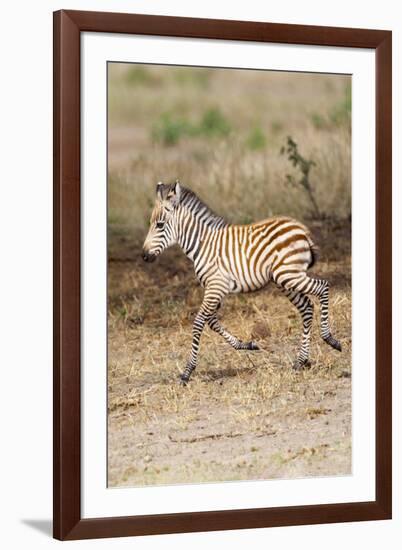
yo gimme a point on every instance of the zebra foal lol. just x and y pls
(237, 258)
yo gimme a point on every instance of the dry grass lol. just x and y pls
(245, 415)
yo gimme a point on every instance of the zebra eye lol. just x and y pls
(160, 225)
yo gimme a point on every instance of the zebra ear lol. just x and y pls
(159, 189)
(174, 193)
(177, 189)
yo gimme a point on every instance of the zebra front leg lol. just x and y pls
(211, 301)
(215, 325)
(306, 310)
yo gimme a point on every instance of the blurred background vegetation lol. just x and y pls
(251, 143)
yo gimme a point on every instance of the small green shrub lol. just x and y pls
(318, 121)
(298, 161)
(169, 130)
(338, 115)
(256, 139)
(199, 78)
(139, 75)
(213, 124)
(341, 113)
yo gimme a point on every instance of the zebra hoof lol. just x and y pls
(252, 346)
(184, 380)
(300, 365)
(333, 343)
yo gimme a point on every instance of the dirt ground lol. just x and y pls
(244, 415)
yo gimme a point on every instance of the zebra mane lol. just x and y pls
(189, 200)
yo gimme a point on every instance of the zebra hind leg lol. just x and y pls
(235, 342)
(306, 310)
(317, 287)
(325, 330)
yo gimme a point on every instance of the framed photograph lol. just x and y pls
(222, 270)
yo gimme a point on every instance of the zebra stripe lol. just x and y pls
(238, 258)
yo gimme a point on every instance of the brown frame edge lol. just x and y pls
(68, 524)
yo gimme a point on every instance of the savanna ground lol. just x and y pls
(244, 415)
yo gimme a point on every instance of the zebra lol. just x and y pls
(231, 258)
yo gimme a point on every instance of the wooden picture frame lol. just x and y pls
(68, 26)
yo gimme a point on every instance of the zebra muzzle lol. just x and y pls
(148, 257)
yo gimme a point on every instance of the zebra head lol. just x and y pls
(162, 227)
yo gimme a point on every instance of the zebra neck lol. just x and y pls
(194, 227)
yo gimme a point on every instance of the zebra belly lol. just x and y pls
(245, 283)
(237, 286)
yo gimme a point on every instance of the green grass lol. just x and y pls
(256, 139)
